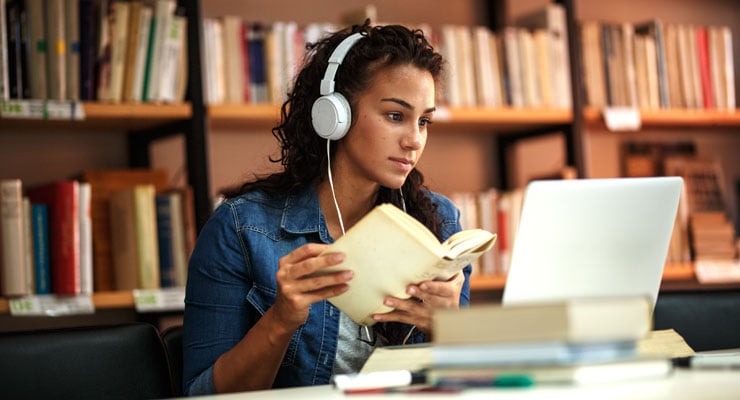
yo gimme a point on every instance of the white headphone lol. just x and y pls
(331, 114)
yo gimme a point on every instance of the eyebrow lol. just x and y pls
(405, 104)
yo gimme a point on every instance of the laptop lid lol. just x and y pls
(591, 238)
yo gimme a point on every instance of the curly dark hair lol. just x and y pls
(303, 152)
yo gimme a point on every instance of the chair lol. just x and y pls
(101, 362)
(172, 339)
(707, 320)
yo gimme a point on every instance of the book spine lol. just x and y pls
(56, 67)
(72, 36)
(146, 237)
(87, 50)
(37, 49)
(12, 234)
(4, 84)
(86, 244)
(164, 239)
(42, 266)
(62, 198)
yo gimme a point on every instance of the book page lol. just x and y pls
(665, 342)
(409, 358)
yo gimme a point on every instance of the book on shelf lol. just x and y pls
(134, 246)
(12, 238)
(575, 321)
(72, 37)
(171, 236)
(86, 244)
(388, 250)
(62, 199)
(40, 232)
(103, 183)
(4, 83)
(56, 61)
(37, 49)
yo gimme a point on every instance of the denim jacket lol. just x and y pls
(231, 284)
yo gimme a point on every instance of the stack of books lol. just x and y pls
(583, 341)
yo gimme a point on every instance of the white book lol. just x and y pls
(4, 82)
(234, 63)
(545, 74)
(86, 244)
(528, 62)
(13, 238)
(163, 13)
(513, 67)
(171, 56)
(483, 61)
(729, 67)
(465, 66)
(448, 48)
(145, 23)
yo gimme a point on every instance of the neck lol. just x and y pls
(353, 202)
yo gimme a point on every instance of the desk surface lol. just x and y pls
(683, 384)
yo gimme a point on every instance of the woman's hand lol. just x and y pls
(425, 297)
(298, 288)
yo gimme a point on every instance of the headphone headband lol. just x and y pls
(336, 58)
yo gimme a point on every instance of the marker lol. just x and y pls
(502, 381)
(377, 380)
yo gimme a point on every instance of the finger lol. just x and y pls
(309, 265)
(308, 250)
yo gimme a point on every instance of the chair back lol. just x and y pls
(172, 339)
(102, 362)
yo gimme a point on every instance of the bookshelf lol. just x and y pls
(143, 125)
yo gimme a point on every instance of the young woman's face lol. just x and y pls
(390, 130)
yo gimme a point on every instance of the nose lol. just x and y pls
(414, 138)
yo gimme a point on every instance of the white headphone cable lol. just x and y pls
(331, 183)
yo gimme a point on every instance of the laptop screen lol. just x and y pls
(592, 238)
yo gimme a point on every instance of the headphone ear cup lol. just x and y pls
(331, 116)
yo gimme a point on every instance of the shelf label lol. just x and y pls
(42, 109)
(166, 299)
(717, 271)
(622, 119)
(51, 305)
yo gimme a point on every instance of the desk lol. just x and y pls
(683, 384)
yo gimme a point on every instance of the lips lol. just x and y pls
(404, 163)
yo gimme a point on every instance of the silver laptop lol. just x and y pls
(591, 238)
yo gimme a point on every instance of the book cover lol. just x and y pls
(12, 243)
(62, 198)
(133, 227)
(388, 249)
(40, 232)
(577, 320)
(140, 56)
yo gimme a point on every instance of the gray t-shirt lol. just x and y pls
(351, 352)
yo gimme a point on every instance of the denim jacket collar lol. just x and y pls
(302, 214)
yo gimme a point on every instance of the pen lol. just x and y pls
(502, 381)
(377, 380)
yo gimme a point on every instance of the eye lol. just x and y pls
(425, 122)
(395, 116)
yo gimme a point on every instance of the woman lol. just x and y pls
(255, 317)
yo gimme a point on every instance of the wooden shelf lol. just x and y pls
(475, 119)
(671, 273)
(102, 300)
(674, 118)
(110, 116)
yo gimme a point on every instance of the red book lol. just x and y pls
(702, 48)
(62, 200)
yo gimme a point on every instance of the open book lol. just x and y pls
(388, 250)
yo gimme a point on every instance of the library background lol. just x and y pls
(121, 121)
